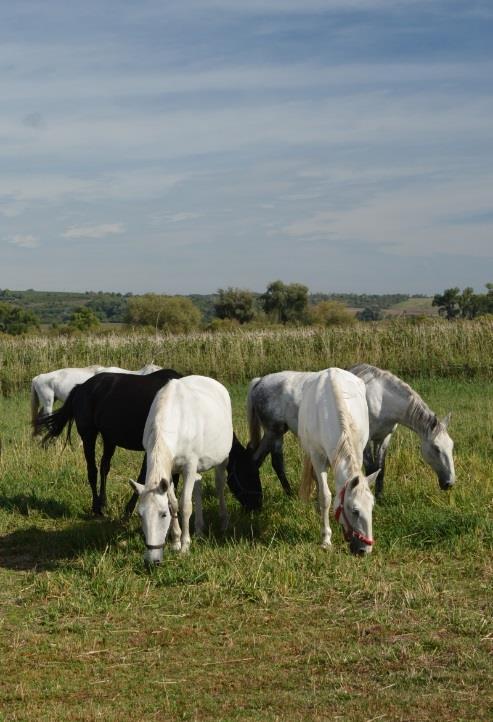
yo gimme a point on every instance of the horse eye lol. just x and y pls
(163, 514)
(355, 512)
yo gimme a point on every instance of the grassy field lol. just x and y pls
(259, 624)
(431, 349)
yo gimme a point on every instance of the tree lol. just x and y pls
(83, 319)
(15, 320)
(370, 313)
(236, 304)
(330, 313)
(448, 303)
(174, 314)
(285, 302)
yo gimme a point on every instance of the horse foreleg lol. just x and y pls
(277, 458)
(197, 507)
(324, 499)
(175, 524)
(220, 477)
(186, 505)
(89, 443)
(104, 470)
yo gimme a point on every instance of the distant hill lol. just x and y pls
(56, 307)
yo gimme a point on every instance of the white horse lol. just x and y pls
(391, 401)
(189, 430)
(56, 385)
(333, 428)
(272, 407)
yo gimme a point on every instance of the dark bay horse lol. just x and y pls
(116, 405)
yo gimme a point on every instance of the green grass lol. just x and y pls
(259, 624)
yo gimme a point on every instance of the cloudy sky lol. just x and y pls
(181, 146)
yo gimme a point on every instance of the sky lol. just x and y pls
(185, 146)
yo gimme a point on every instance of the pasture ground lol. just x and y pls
(260, 624)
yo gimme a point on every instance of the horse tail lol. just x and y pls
(254, 427)
(307, 479)
(34, 406)
(53, 424)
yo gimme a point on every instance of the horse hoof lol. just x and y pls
(327, 546)
(185, 548)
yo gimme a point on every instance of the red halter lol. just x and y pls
(349, 531)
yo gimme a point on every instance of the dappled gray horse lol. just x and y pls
(273, 404)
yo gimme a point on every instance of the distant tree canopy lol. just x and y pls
(370, 313)
(174, 314)
(83, 319)
(15, 320)
(330, 313)
(237, 304)
(454, 304)
(285, 302)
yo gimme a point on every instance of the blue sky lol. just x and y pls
(180, 147)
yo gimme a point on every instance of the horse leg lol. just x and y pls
(324, 499)
(197, 506)
(277, 458)
(262, 449)
(104, 470)
(175, 530)
(89, 443)
(186, 505)
(133, 499)
(380, 457)
(220, 475)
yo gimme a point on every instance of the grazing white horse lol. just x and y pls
(390, 401)
(189, 430)
(333, 428)
(273, 403)
(56, 385)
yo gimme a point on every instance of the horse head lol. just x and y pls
(155, 514)
(437, 450)
(244, 477)
(354, 512)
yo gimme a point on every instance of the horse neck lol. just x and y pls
(418, 417)
(159, 460)
(345, 464)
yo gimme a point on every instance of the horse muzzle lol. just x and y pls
(446, 484)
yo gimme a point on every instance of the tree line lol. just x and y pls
(454, 303)
(281, 303)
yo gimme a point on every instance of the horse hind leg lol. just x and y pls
(89, 444)
(104, 470)
(277, 458)
(380, 456)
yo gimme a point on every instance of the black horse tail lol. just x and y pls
(53, 424)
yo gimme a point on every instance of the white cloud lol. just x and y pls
(24, 241)
(101, 231)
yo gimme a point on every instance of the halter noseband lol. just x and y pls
(348, 529)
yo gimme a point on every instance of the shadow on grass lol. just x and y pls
(36, 549)
(25, 503)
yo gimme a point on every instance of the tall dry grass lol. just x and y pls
(430, 349)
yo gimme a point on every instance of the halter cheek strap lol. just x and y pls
(349, 531)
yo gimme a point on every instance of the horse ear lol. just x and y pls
(138, 488)
(163, 486)
(354, 482)
(373, 477)
(446, 420)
